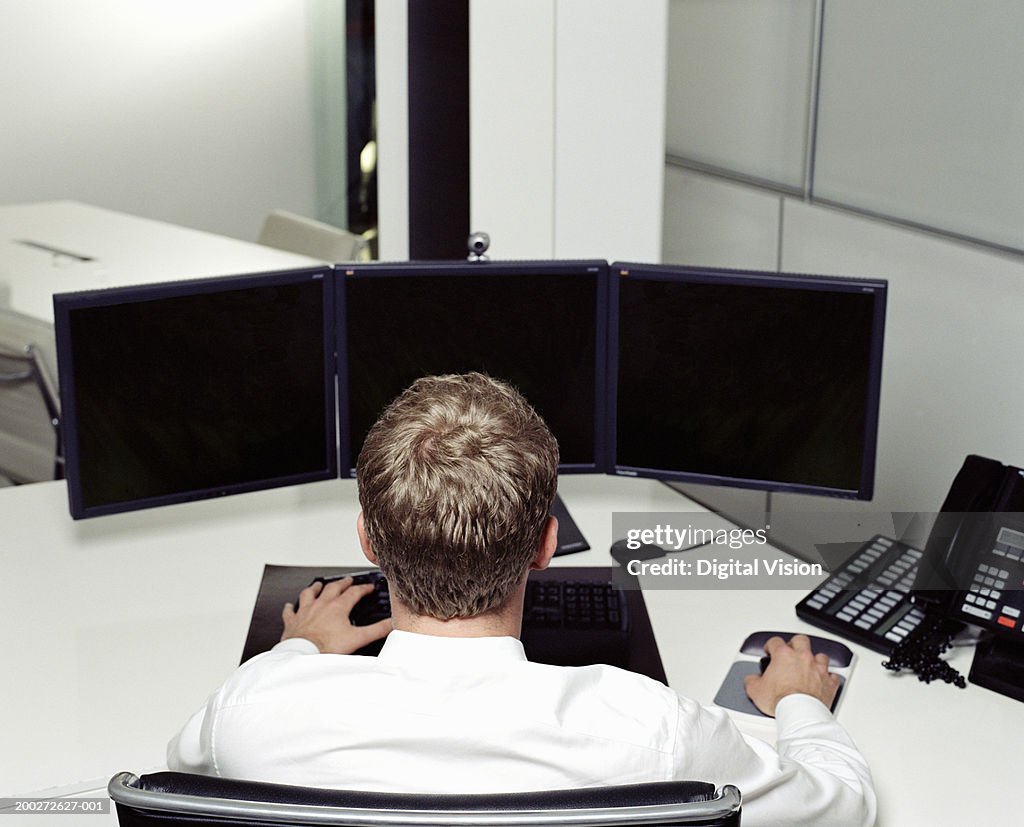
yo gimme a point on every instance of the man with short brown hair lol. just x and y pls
(456, 481)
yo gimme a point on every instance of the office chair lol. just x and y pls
(172, 798)
(30, 445)
(298, 234)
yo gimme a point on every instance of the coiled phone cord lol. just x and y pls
(921, 651)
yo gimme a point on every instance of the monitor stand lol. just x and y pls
(999, 665)
(570, 538)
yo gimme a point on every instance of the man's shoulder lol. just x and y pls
(612, 680)
(291, 664)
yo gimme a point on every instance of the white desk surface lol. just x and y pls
(124, 249)
(116, 629)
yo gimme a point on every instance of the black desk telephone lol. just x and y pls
(908, 603)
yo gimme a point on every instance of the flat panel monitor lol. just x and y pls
(196, 389)
(537, 325)
(749, 379)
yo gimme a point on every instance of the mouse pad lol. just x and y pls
(282, 584)
(732, 694)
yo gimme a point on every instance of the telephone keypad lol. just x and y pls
(867, 599)
(985, 595)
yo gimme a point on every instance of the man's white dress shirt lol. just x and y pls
(440, 714)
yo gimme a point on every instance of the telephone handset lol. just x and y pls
(985, 497)
(972, 571)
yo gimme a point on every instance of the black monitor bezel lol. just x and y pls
(483, 269)
(66, 304)
(338, 460)
(691, 274)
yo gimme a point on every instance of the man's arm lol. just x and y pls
(320, 624)
(814, 775)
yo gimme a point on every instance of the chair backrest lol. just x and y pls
(29, 445)
(298, 234)
(171, 798)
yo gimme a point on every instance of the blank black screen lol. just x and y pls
(535, 330)
(178, 396)
(745, 382)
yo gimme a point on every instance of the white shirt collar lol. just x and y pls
(411, 647)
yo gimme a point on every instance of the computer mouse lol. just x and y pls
(765, 662)
(839, 654)
(622, 554)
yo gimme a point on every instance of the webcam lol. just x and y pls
(478, 244)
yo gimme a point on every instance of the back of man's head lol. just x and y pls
(456, 481)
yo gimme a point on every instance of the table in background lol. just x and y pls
(103, 248)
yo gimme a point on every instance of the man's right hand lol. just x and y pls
(794, 669)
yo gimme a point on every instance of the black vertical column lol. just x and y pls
(438, 128)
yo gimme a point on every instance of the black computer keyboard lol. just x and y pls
(867, 599)
(575, 604)
(375, 606)
(565, 622)
(575, 622)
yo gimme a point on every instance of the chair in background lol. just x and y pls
(30, 446)
(170, 798)
(298, 234)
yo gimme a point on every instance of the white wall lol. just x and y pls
(391, 27)
(567, 112)
(197, 112)
(567, 104)
(921, 112)
(953, 349)
(921, 121)
(512, 126)
(739, 85)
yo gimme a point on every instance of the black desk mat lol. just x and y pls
(282, 584)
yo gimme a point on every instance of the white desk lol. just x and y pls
(116, 629)
(104, 248)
